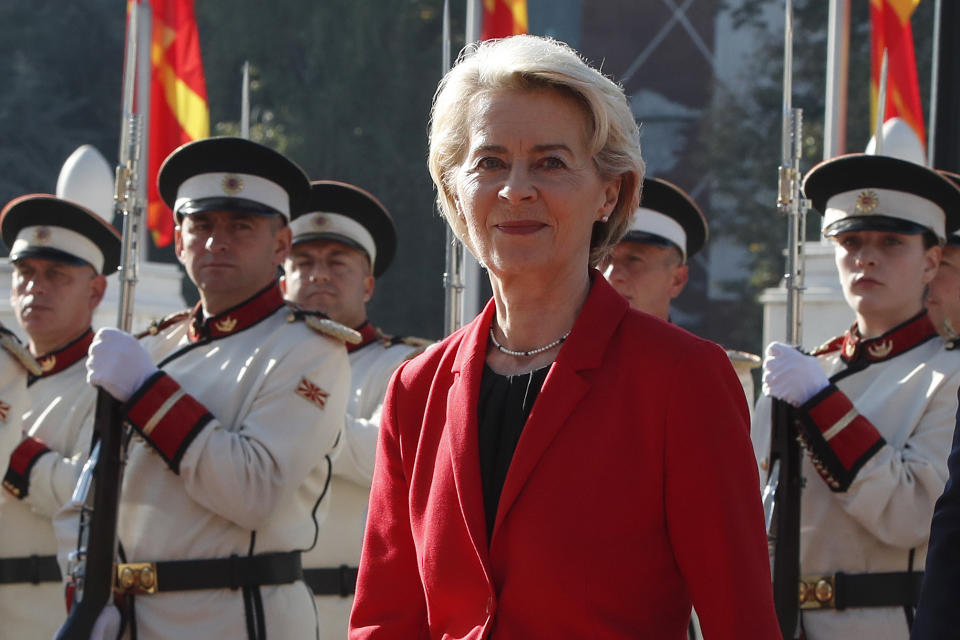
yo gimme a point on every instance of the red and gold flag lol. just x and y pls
(178, 100)
(502, 18)
(891, 31)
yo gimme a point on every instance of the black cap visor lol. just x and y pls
(874, 223)
(331, 237)
(644, 237)
(49, 253)
(237, 205)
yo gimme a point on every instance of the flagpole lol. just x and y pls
(245, 102)
(838, 65)
(473, 274)
(144, 82)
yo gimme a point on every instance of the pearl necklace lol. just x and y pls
(531, 352)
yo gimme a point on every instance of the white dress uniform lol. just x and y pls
(331, 565)
(43, 470)
(229, 460)
(26, 610)
(880, 434)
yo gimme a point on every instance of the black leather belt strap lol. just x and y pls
(29, 569)
(229, 573)
(339, 581)
(898, 589)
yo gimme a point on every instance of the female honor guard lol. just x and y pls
(876, 405)
(234, 412)
(61, 255)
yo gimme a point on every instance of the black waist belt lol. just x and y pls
(218, 573)
(29, 569)
(854, 590)
(339, 581)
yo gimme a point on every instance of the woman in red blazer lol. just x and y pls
(563, 466)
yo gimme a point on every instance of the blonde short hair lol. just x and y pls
(527, 63)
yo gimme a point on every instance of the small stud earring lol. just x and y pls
(605, 218)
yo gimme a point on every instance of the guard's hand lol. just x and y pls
(790, 375)
(118, 364)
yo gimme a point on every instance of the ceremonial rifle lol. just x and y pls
(97, 494)
(781, 496)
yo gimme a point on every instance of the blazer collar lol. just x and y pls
(562, 390)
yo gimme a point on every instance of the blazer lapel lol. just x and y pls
(564, 387)
(462, 426)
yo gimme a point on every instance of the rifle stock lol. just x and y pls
(784, 534)
(94, 587)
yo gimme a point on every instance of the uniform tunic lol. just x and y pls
(57, 426)
(230, 459)
(372, 362)
(881, 433)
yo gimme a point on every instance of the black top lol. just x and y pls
(503, 408)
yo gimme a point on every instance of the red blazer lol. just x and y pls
(632, 492)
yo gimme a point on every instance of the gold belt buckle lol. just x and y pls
(136, 578)
(817, 592)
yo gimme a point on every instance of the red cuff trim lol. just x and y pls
(167, 417)
(17, 479)
(839, 439)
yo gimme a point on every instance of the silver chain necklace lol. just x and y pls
(531, 352)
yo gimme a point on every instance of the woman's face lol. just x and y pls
(883, 274)
(528, 188)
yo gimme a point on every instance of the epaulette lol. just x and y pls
(321, 323)
(833, 344)
(16, 349)
(159, 325)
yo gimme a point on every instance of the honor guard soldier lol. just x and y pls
(937, 612)
(340, 247)
(943, 299)
(649, 266)
(61, 254)
(876, 406)
(234, 405)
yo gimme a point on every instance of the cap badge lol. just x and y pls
(320, 222)
(232, 184)
(881, 349)
(867, 201)
(47, 364)
(226, 325)
(41, 235)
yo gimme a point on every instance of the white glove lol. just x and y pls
(790, 375)
(118, 363)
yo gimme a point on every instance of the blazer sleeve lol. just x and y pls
(714, 516)
(389, 600)
(937, 614)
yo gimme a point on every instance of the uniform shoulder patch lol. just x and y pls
(15, 348)
(322, 324)
(833, 344)
(159, 325)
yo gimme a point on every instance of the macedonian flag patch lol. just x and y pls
(312, 392)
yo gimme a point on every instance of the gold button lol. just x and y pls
(802, 592)
(127, 578)
(147, 577)
(765, 464)
(824, 591)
